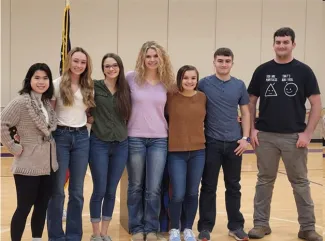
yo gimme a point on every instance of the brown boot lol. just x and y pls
(259, 232)
(310, 235)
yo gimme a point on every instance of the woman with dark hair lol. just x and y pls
(35, 155)
(108, 142)
(186, 111)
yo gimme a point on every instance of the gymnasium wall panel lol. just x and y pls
(283, 13)
(94, 27)
(140, 21)
(239, 28)
(191, 34)
(35, 37)
(5, 52)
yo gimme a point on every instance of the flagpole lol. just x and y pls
(65, 49)
(65, 33)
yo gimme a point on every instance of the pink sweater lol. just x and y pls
(148, 107)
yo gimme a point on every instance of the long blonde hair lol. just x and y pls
(86, 83)
(165, 70)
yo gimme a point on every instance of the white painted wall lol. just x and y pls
(191, 30)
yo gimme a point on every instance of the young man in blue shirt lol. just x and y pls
(225, 143)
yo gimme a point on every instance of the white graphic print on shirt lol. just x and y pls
(290, 89)
(270, 91)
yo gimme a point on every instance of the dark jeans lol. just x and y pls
(146, 164)
(107, 161)
(31, 191)
(185, 170)
(220, 153)
(72, 148)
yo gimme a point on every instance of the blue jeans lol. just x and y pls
(146, 164)
(185, 170)
(72, 148)
(107, 161)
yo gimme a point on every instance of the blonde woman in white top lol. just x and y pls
(73, 95)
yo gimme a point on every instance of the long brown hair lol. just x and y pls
(123, 94)
(86, 83)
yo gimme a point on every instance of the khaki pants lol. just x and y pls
(273, 146)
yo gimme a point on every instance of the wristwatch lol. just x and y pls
(247, 139)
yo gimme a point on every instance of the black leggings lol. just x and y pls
(31, 191)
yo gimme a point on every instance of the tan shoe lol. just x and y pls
(137, 237)
(151, 237)
(310, 235)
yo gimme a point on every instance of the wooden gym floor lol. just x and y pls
(283, 212)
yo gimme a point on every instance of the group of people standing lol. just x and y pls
(144, 120)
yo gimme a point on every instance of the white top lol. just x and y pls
(39, 98)
(45, 113)
(73, 116)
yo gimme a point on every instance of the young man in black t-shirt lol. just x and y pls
(283, 86)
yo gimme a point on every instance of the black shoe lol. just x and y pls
(204, 235)
(239, 234)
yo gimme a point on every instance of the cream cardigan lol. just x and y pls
(36, 141)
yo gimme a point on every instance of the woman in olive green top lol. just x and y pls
(108, 142)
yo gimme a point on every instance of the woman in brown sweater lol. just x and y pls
(34, 155)
(186, 112)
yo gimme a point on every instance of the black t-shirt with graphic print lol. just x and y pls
(283, 90)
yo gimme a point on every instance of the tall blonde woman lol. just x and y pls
(73, 95)
(147, 131)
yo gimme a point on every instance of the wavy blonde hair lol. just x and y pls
(86, 83)
(165, 70)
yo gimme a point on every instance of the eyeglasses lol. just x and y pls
(114, 66)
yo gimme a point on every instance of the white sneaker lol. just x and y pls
(96, 238)
(174, 235)
(106, 238)
(189, 235)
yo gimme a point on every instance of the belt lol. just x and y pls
(69, 128)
